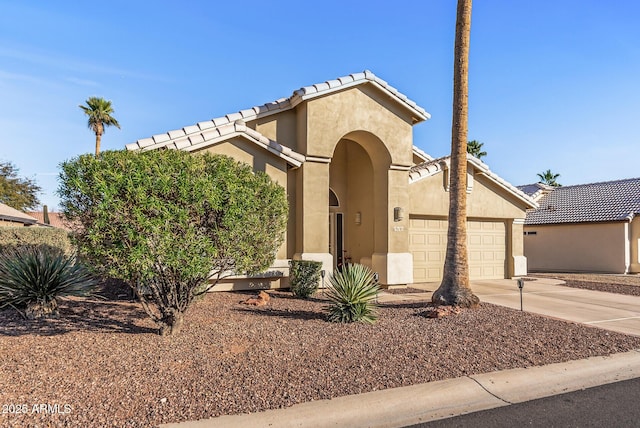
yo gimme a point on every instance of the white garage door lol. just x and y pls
(428, 243)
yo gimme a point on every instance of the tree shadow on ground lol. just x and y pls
(407, 304)
(79, 314)
(285, 314)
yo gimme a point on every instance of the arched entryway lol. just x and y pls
(358, 180)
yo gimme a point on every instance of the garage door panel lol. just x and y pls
(487, 249)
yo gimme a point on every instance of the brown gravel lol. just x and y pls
(619, 284)
(104, 360)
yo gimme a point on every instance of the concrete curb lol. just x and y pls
(415, 404)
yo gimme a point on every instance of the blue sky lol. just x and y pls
(553, 84)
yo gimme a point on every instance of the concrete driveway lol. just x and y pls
(616, 312)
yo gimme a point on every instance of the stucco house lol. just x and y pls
(585, 228)
(358, 188)
(11, 217)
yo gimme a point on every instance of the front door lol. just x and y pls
(336, 238)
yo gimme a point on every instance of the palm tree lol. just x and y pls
(549, 178)
(474, 148)
(454, 288)
(100, 113)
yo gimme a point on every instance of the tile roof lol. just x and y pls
(55, 219)
(218, 134)
(429, 168)
(585, 203)
(282, 104)
(11, 214)
(536, 190)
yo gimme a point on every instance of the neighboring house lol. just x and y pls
(585, 228)
(54, 219)
(11, 217)
(358, 188)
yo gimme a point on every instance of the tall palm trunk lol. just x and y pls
(98, 140)
(99, 129)
(455, 288)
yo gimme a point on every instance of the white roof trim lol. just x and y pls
(417, 151)
(313, 91)
(282, 104)
(212, 136)
(428, 169)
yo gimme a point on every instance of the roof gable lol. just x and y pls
(11, 214)
(178, 137)
(218, 134)
(430, 168)
(585, 203)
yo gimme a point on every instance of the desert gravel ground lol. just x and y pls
(102, 364)
(620, 284)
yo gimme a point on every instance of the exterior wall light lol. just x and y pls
(358, 217)
(398, 214)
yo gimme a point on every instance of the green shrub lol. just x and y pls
(34, 277)
(304, 277)
(12, 237)
(168, 221)
(352, 292)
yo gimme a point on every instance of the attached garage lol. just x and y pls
(487, 248)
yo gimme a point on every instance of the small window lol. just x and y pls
(333, 199)
(530, 233)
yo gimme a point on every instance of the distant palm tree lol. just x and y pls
(549, 178)
(100, 113)
(474, 148)
(455, 288)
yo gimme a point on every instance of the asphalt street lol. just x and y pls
(614, 405)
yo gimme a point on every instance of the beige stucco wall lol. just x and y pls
(589, 247)
(258, 158)
(363, 108)
(486, 200)
(281, 127)
(635, 245)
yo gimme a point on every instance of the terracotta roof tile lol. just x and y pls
(56, 219)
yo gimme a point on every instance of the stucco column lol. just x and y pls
(312, 212)
(394, 262)
(517, 262)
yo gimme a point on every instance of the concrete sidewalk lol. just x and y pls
(398, 407)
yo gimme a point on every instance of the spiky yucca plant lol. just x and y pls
(33, 277)
(352, 292)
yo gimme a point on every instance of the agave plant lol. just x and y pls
(352, 292)
(34, 277)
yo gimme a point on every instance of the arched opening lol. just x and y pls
(358, 178)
